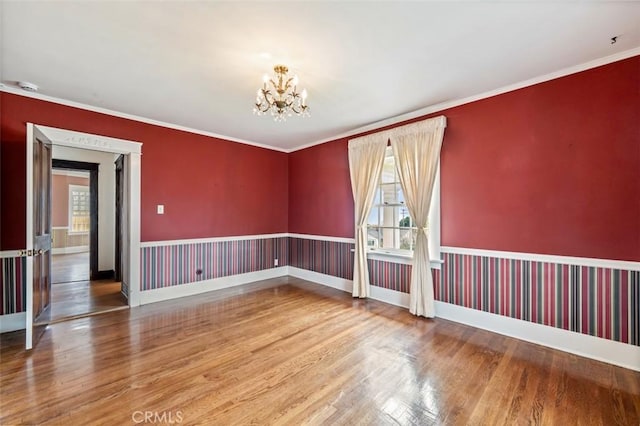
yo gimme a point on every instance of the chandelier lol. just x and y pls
(280, 96)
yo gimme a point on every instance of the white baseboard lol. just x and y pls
(609, 351)
(391, 297)
(324, 279)
(190, 289)
(377, 293)
(13, 322)
(597, 348)
(69, 250)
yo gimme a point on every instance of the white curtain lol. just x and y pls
(416, 149)
(366, 156)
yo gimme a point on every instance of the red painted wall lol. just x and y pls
(60, 197)
(209, 187)
(320, 198)
(552, 168)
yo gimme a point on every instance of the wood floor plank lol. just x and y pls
(286, 351)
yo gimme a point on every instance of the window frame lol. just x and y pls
(397, 255)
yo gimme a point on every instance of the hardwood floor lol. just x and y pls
(286, 351)
(69, 267)
(73, 295)
(82, 298)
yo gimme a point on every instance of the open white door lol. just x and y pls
(38, 252)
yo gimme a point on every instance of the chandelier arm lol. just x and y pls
(288, 83)
(268, 96)
(263, 107)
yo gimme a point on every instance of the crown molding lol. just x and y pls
(457, 102)
(113, 113)
(372, 126)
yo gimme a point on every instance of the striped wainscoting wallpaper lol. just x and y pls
(389, 275)
(394, 276)
(170, 265)
(326, 257)
(600, 302)
(12, 285)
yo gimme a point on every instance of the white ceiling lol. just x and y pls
(198, 64)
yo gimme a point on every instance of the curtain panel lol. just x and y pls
(366, 157)
(416, 148)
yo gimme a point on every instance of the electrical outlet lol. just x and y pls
(275, 262)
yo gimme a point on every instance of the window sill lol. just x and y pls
(398, 257)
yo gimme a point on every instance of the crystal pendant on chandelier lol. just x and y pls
(280, 96)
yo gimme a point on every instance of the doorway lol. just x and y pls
(74, 214)
(78, 287)
(38, 253)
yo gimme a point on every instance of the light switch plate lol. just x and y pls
(160, 209)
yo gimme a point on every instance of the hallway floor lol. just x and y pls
(73, 295)
(69, 267)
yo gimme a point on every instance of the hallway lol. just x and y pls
(73, 295)
(69, 267)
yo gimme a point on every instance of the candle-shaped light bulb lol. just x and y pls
(295, 80)
(265, 80)
(304, 96)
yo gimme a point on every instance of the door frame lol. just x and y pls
(132, 151)
(119, 200)
(92, 168)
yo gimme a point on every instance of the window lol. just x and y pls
(391, 228)
(79, 209)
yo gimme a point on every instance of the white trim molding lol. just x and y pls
(245, 237)
(324, 279)
(609, 351)
(88, 141)
(549, 258)
(211, 240)
(405, 259)
(9, 253)
(13, 322)
(323, 238)
(198, 287)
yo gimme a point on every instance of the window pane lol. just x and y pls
(377, 198)
(389, 167)
(389, 193)
(405, 219)
(391, 225)
(374, 215)
(400, 195)
(373, 238)
(390, 238)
